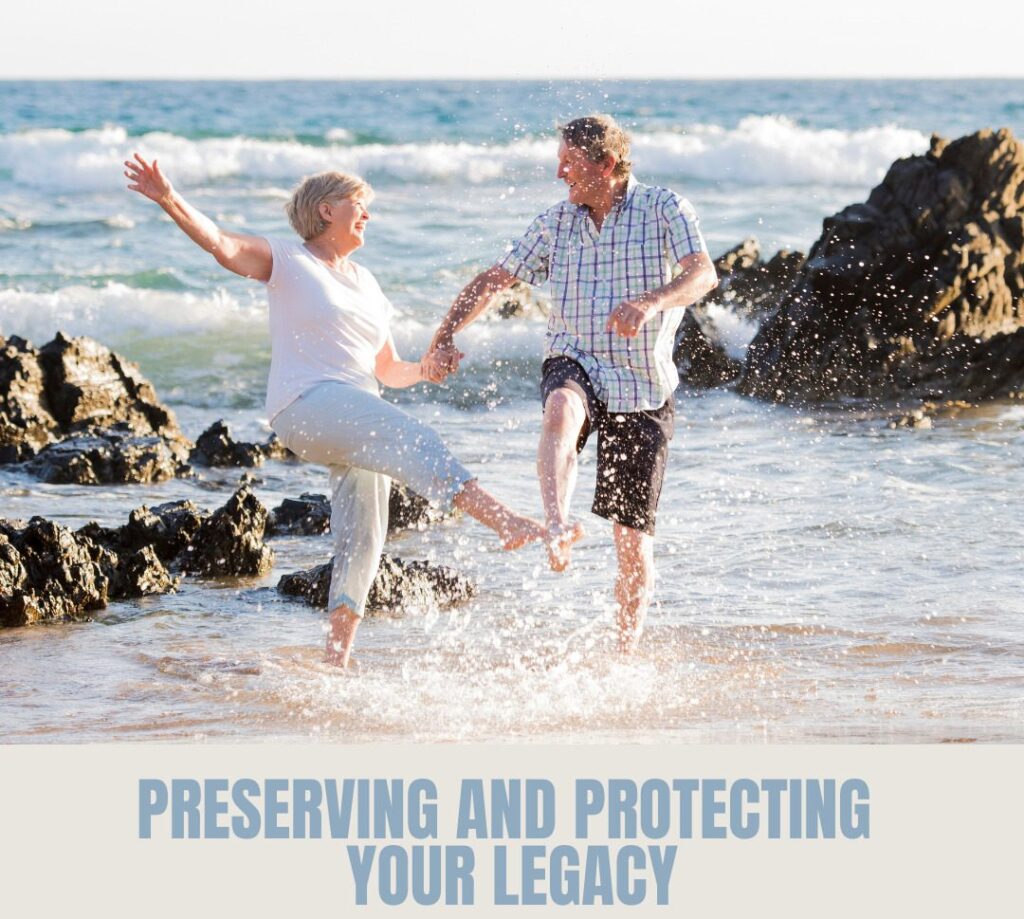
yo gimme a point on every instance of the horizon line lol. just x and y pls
(504, 79)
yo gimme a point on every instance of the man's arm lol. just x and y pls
(470, 303)
(697, 276)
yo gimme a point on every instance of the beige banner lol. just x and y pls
(944, 824)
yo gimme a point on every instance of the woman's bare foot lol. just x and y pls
(341, 633)
(560, 539)
(515, 531)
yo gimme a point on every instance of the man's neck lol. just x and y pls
(601, 208)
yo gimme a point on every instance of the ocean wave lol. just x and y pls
(116, 313)
(759, 150)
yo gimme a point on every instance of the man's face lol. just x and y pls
(585, 179)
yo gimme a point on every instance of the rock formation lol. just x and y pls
(310, 513)
(749, 287)
(216, 447)
(915, 293)
(398, 585)
(88, 414)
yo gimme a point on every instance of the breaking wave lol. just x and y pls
(759, 150)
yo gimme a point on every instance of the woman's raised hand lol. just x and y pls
(147, 179)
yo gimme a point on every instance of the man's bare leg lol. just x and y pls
(513, 529)
(634, 583)
(564, 414)
(341, 635)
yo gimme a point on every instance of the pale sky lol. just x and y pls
(341, 39)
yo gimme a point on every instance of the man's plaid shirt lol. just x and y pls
(592, 272)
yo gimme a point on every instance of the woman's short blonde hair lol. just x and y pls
(304, 208)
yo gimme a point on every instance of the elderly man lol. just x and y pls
(609, 252)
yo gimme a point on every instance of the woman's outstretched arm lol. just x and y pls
(249, 256)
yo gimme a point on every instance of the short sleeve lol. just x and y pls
(682, 227)
(281, 252)
(529, 258)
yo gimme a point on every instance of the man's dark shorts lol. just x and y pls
(632, 448)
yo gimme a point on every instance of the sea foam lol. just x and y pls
(759, 150)
(116, 313)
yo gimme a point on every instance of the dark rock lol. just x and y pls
(230, 540)
(63, 576)
(700, 358)
(26, 424)
(917, 292)
(307, 515)
(141, 574)
(75, 387)
(215, 447)
(12, 571)
(169, 529)
(312, 585)
(408, 510)
(310, 514)
(88, 385)
(398, 584)
(107, 456)
(750, 286)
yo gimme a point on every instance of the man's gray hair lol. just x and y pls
(599, 136)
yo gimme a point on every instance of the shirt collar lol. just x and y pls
(631, 184)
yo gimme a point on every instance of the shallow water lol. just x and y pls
(820, 579)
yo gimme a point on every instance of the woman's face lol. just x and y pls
(347, 218)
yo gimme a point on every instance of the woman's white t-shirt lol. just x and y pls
(324, 325)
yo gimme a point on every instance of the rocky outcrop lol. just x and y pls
(77, 388)
(307, 515)
(748, 287)
(701, 359)
(915, 293)
(397, 586)
(216, 447)
(49, 573)
(26, 425)
(310, 514)
(102, 457)
(410, 511)
(167, 529)
(229, 543)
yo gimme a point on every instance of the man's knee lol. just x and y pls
(564, 411)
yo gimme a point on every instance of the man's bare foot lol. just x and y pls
(515, 531)
(560, 539)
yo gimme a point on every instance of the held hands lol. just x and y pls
(147, 179)
(439, 362)
(629, 316)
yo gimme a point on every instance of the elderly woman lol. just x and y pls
(330, 345)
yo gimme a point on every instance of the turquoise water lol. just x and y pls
(821, 576)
